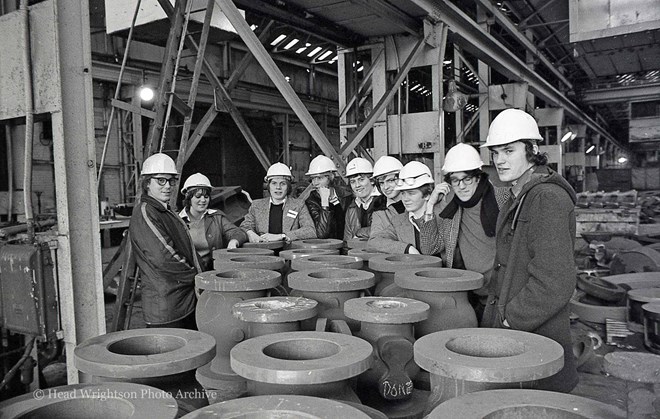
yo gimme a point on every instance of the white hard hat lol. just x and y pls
(413, 175)
(320, 164)
(461, 158)
(196, 181)
(159, 163)
(359, 166)
(387, 164)
(512, 125)
(278, 169)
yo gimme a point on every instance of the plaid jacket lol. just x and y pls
(297, 224)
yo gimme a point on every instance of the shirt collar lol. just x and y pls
(365, 204)
(411, 218)
(272, 203)
(184, 214)
(517, 185)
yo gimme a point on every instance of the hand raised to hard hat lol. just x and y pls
(441, 190)
(324, 193)
(254, 237)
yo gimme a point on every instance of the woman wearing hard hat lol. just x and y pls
(410, 232)
(534, 273)
(367, 199)
(279, 217)
(467, 222)
(325, 206)
(209, 228)
(163, 249)
(386, 172)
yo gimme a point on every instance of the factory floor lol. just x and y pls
(639, 400)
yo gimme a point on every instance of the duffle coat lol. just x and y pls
(534, 273)
(167, 259)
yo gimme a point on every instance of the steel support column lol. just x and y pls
(74, 153)
(485, 47)
(276, 76)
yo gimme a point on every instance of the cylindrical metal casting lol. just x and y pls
(388, 265)
(636, 299)
(317, 244)
(326, 261)
(467, 360)
(102, 400)
(274, 314)
(331, 288)
(357, 243)
(272, 263)
(278, 406)
(445, 290)
(387, 323)
(519, 403)
(220, 291)
(652, 327)
(275, 246)
(633, 366)
(289, 255)
(636, 280)
(224, 253)
(165, 358)
(305, 363)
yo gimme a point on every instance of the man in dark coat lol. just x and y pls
(534, 272)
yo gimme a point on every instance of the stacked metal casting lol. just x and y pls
(386, 266)
(388, 323)
(220, 291)
(164, 358)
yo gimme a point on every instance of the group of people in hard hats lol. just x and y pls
(520, 237)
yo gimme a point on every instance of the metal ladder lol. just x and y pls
(166, 102)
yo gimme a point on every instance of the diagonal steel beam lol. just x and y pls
(470, 36)
(520, 37)
(200, 129)
(226, 99)
(365, 80)
(246, 60)
(522, 23)
(390, 13)
(356, 137)
(240, 25)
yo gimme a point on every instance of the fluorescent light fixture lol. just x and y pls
(566, 136)
(324, 55)
(360, 69)
(291, 44)
(253, 27)
(590, 149)
(278, 39)
(622, 160)
(146, 93)
(314, 51)
(301, 49)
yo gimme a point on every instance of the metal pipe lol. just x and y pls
(29, 121)
(10, 173)
(117, 90)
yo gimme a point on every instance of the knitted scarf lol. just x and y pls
(489, 209)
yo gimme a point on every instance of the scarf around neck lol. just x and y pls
(485, 194)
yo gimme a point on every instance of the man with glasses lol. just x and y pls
(534, 273)
(164, 250)
(326, 207)
(367, 199)
(467, 223)
(209, 228)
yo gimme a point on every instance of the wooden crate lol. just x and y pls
(616, 220)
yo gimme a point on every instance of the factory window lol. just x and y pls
(416, 91)
(645, 109)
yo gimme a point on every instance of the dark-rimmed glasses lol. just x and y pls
(467, 181)
(163, 180)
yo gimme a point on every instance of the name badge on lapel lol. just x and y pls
(292, 213)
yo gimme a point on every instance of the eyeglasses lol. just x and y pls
(467, 181)
(163, 180)
(410, 181)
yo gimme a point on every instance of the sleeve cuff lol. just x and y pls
(407, 251)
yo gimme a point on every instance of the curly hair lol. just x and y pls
(539, 159)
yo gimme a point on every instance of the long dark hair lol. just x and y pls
(538, 159)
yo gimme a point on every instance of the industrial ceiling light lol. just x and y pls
(590, 149)
(622, 160)
(146, 93)
(566, 136)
